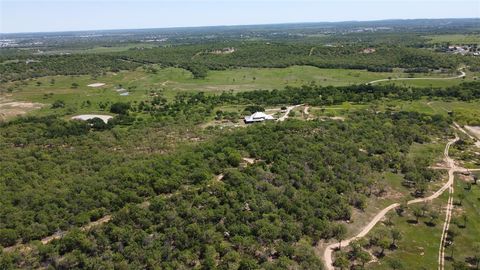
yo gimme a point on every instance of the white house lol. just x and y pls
(258, 117)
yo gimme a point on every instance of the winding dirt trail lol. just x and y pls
(462, 74)
(327, 255)
(446, 225)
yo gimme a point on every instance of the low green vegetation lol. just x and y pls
(277, 198)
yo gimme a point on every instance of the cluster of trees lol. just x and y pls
(287, 54)
(75, 64)
(329, 95)
(268, 214)
(195, 108)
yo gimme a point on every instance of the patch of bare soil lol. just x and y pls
(10, 108)
(96, 85)
(475, 130)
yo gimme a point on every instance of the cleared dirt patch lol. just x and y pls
(475, 130)
(96, 85)
(10, 109)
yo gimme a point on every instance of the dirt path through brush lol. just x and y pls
(327, 255)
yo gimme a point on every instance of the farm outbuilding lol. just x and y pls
(258, 117)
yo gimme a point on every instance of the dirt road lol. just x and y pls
(289, 108)
(448, 215)
(446, 225)
(327, 255)
(462, 74)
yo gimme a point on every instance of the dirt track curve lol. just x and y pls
(462, 74)
(327, 255)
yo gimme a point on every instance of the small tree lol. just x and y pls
(120, 108)
(395, 264)
(383, 243)
(464, 218)
(339, 233)
(364, 257)
(58, 104)
(476, 255)
(396, 236)
(461, 197)
(389, 217)
(452, 249)
(341, 261)
(425, 208)
(433, 218)
(417, 213)
(401, 209)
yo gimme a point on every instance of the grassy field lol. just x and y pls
(103, 49)
(454, 39)
(428, 151)
(418, 248)
(171, 81)
(469, 235)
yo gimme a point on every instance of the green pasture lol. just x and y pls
(454, 39)
(468, 235)
(418, 248)
(103, 49)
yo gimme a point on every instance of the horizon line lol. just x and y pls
(234, 25)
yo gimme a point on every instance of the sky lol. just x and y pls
(72, 15)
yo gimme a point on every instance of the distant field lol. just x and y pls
(455, 38)
(174, 80)
(464, 112)
(104, 49)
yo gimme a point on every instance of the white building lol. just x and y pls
(258, 117)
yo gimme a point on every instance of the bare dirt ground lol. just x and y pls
(96, 85)
(475, 130)
(10, 108)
